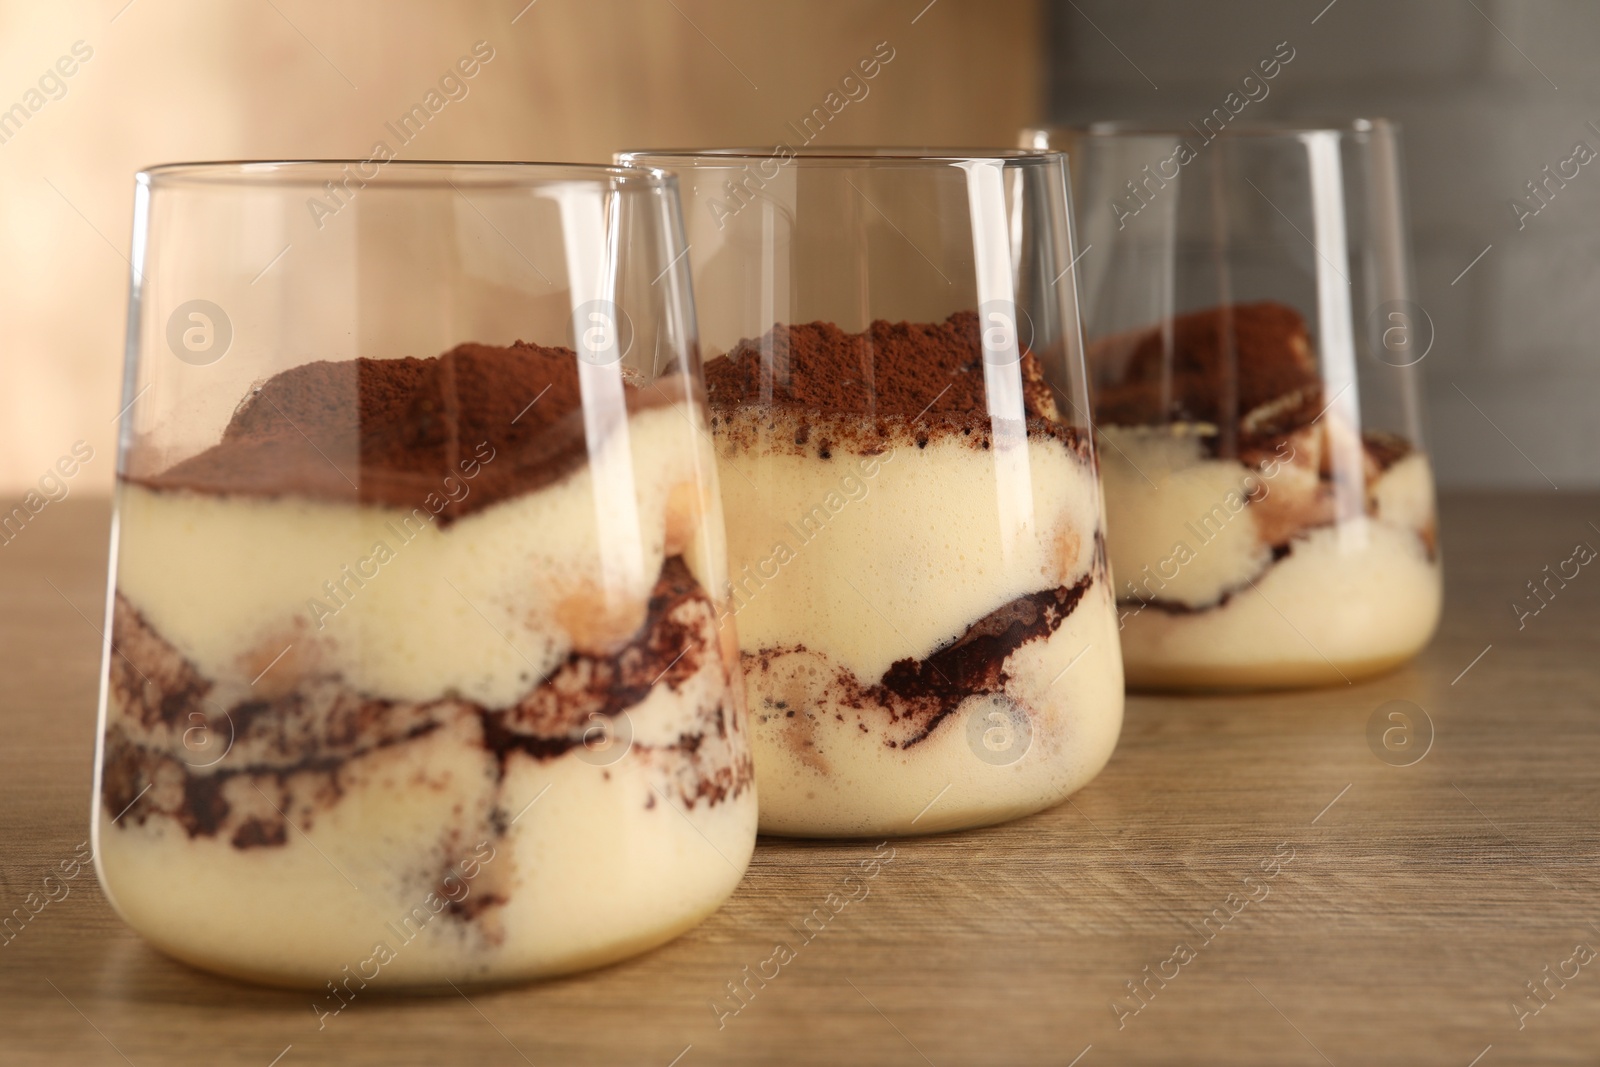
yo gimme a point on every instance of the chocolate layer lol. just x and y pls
(1178, 607)
(914, 696)
(289, 755)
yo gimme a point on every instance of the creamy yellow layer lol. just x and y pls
(1363, 591)
(406, 610)
(873, 559)
(996, 757)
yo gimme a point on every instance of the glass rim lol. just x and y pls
(840, 155)
(1255, 128)
(402, 174)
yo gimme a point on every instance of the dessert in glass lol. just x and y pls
(1254, 350)
(414, 672)
(916, 561)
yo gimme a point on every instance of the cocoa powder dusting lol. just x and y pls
(894, 383)
(892, 368)
(391, 431)
(1269, 341)
(1268, 390)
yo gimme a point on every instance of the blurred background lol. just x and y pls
(1488, 92)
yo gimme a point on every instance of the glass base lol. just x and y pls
(1307, 674)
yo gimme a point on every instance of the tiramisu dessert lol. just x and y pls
(1257, 538)
(411, 681)
(927, 627)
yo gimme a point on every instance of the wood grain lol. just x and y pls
(1418, 900)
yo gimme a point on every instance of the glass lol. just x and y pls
(1253, 343)
(914, 523)
(415, 673)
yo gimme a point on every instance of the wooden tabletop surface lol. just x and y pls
(1297, 898)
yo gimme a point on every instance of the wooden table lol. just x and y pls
(1417, 903)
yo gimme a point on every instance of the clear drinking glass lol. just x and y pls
(914, 522)
(1254, 344)
(415, 673)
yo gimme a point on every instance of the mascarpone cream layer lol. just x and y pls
(873, 559)
(483, 608)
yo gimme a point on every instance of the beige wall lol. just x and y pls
(171, 80)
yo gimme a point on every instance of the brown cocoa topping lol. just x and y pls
(1247, 369)
(892, 368)
(454, 433)
(1223, 364)
(895, 382)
